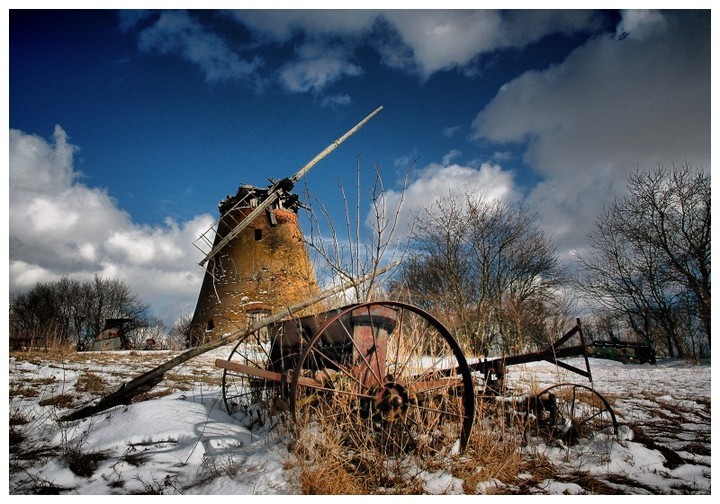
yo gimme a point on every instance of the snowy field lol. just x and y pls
(181, 441)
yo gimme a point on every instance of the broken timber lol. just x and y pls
(146, 381)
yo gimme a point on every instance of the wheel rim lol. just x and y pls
(569, 412)
(250, 399)
(386, 376)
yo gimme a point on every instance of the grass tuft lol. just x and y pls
(90, 382)
(60, 401)
(81, 463)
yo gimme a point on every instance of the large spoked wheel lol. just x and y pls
(385, 376)
(569, 412)
(251, 400)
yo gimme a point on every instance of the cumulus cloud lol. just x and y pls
(448, 180)
(615, 104)
(60, 227)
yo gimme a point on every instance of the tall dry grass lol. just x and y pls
(329, 460)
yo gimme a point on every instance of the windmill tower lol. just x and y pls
(256, 262)
(264, 268)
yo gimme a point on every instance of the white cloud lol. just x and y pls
(60, 227)
(46, 216)
(38, 165)
(282, 25)
(336, 100)
(447, 158)
(639, 24)
(316, 73)
(132, 247)
(176, 32)
(446, 39)
(421, 42)
(446, 180)
(25, 275)
(610, 107)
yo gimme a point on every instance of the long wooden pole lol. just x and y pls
(273, 193)
(125, 393)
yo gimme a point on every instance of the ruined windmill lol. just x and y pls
(255, 258)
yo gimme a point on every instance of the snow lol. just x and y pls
(184, 442)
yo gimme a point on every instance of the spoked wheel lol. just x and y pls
(385, 376)
(570, 412)
(250, 399)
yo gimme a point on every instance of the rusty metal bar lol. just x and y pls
(550, 354)
(264, 373)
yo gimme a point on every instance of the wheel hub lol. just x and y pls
(391, 401)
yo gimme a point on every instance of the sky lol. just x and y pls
(128, 127)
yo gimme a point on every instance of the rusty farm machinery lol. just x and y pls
(389, 375)
(385, 374)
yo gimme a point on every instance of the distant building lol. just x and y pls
(113, 336)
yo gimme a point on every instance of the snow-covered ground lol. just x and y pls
(181, 441)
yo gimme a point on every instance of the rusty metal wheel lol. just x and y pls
(570, 412)
(384, 376)
(250, 399)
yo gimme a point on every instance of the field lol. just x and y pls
(179, 440)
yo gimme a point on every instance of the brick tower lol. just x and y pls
(262, 269)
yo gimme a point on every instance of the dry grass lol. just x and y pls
(15, 437)
(83, 463)
(23, 391)
(326, 467)
(59, 401)
(90, 382)
(325, 462)
(152, 394)
(49, 380)
(329, 478)
(328, 463)
(498, 450)
(538, 468)
(488, 456)
(17, 417)
(591, 484)
(183, 381)
(31, 387)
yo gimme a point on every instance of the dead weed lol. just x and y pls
(90, 382)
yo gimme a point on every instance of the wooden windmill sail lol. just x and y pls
(255, 257)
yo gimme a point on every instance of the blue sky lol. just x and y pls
(128, 127)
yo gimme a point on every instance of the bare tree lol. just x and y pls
(178, 336)
(69, 311)
(364, 245)
(486, 269)
(148, 334)
(650, 258)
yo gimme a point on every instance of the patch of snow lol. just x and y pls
(185, 443)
